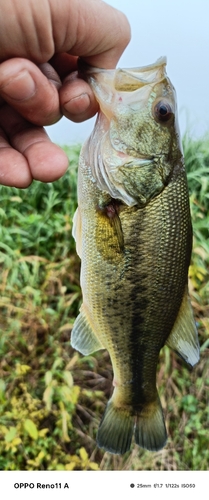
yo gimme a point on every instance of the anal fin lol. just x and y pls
(183, 338)
(83, 338)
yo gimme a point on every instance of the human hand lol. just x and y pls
(39, 47)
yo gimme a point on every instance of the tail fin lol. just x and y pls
(116, 429)
(118, 425)
(150, 431)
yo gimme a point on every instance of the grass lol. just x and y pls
(52, 398)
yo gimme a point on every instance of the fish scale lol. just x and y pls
(133, 234)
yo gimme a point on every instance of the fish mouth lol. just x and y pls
(127, 79)
(113, 87)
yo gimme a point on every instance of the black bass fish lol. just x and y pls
(134, 237)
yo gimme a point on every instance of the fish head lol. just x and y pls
(136, 131)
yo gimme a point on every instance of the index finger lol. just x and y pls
(37, 31)
(93, 30)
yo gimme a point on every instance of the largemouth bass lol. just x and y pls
(134, 237)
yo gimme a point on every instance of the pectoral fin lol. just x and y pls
(116, 224)
(183, 338)
(83, 338)
(109, 235)
(76, 231)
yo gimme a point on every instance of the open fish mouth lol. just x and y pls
(123, 87)
(125, 80)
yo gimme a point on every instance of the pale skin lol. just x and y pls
(40, 42)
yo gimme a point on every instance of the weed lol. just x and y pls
(51, 398)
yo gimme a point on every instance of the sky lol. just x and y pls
(177, 29)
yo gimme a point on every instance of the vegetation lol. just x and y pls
(52, 398)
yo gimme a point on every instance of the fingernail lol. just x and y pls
(20, 88)
(78, 104)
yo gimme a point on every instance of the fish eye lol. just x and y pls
(163, 111)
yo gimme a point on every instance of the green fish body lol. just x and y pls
(133, 234)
